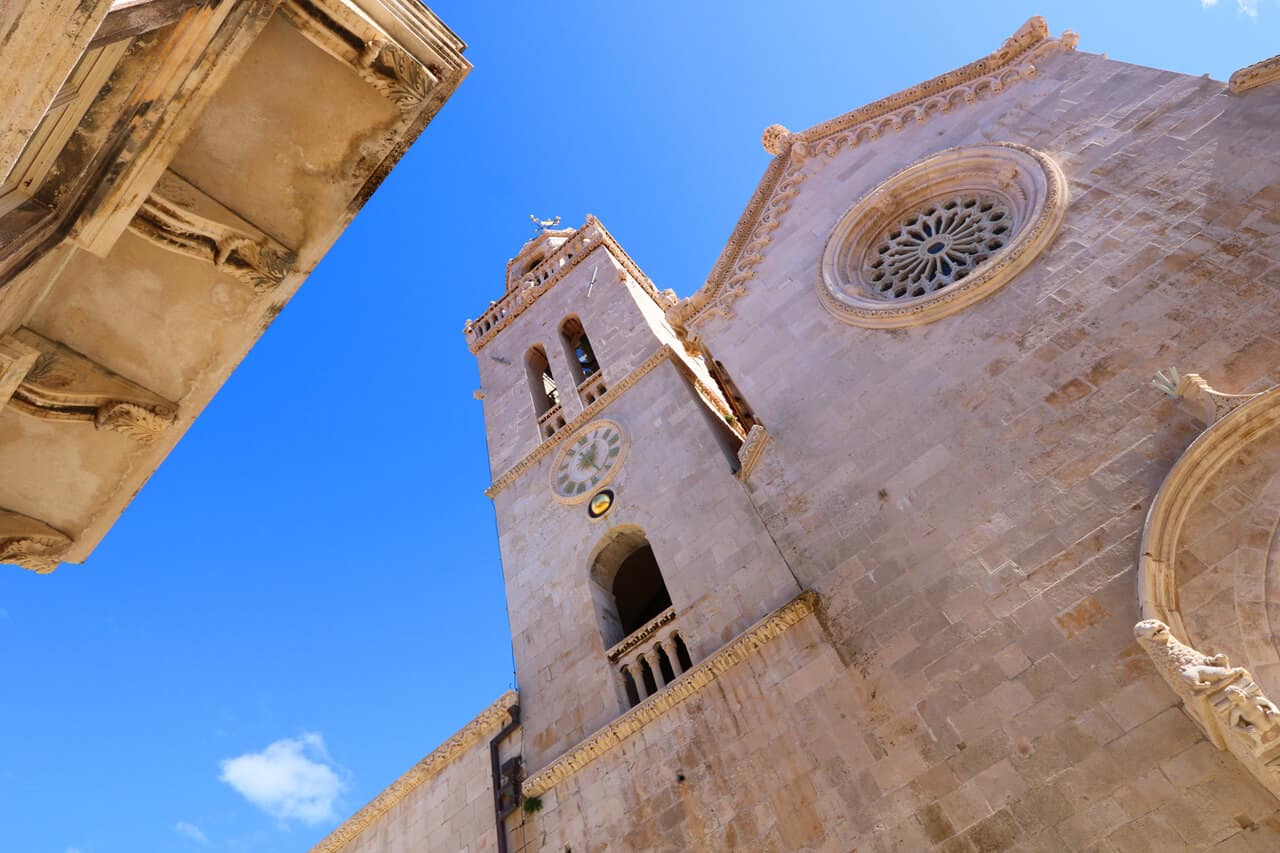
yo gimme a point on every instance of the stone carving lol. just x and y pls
(737, 650)
(641, 634)
(1197, 396)
(489, 720)
(1224, 700)
(1018, 197)
(752, 451)
(1253, 76)
(64, 385)
(560, 262)
(16, 360)
(1187, 670)
(31, 543)
(382, 64)
(179, 217)
(1014, 61)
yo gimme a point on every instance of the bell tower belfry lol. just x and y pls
(630, 547)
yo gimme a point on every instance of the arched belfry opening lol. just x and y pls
(627, 584)
(577, 348)
(542, 385)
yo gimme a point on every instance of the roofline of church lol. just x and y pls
(1013, 61)
(577, 248)
(488, 720)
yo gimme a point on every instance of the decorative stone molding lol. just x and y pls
(181, 218)
(63, 385)
(559, 263)
(384, 65)
(1014, 61)
(737, 650)
(583, 417)
(1157, 582)
(1223, 700)
(30, 543)
(1027, 184)
(1196, 395)
(1253, 76)
(641, 634)
(16, 360)
(752, 451)
(489, 720)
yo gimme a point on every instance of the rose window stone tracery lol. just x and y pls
(937, 245)
(941, 235)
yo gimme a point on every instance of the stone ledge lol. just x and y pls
(735, 652)
(488, 720)
(1255, 75)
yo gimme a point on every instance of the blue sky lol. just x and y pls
(307, 598)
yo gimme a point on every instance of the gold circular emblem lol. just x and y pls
(600, 504)
(587, 461)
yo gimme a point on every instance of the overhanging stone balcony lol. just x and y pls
(650, 658)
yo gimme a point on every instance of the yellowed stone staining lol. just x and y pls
(941, 235)
(588, 461)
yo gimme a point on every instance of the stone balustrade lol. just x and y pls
(592, 388)
(650, 658)
(550, 421)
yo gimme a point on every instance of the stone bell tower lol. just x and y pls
(630, 548)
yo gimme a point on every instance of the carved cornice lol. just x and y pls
(181, 218)
(752, 451)
(737, 650)
(586, 415)
(489, 720)
(1255, 75)
(641, 634)
(383, 64)
(563, 260)
(64, 385)
(31, 543)
(773, 197)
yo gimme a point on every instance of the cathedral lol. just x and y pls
(941, 517)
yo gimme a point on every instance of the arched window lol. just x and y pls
(577, 348)
(541, 384)
(627, 585)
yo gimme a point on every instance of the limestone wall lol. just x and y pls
(968, 496)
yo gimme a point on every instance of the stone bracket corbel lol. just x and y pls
(63, 385)
(16, 360)
(752, 450)
(179, 217)
(1224, 700)
(30, 543)
(1197, 397)
(380, 62)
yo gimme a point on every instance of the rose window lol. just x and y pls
(941, 234)
(937, 245)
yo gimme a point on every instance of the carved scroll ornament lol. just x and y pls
(1204, 402)
(64, 385)
(181, 218)
(31, 543)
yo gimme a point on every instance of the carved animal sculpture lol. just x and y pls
(1180, 664)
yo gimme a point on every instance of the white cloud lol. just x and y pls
(293, 778)
(190, 830)
(1207, 3)
(1248, 7)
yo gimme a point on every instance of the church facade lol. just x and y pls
(942, 517)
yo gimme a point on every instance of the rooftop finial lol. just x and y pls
(544, 224)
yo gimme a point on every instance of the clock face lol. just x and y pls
(587, 461)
